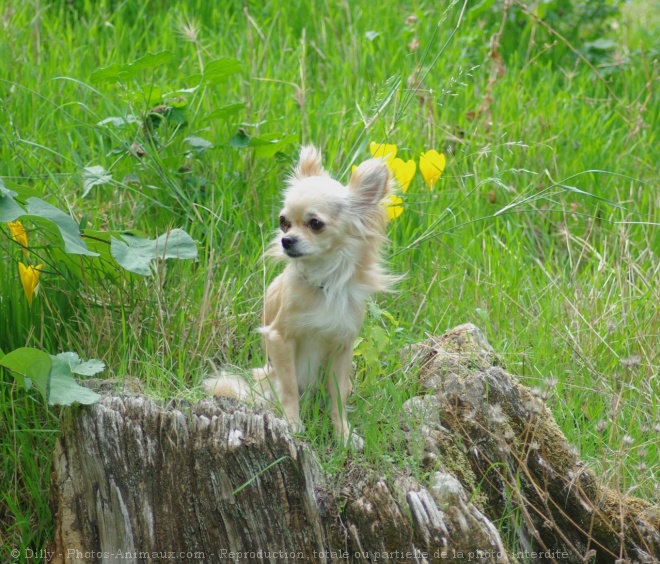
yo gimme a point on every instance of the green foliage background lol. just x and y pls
(543, 230)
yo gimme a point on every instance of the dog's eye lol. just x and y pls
(284, 224)
(316, 225)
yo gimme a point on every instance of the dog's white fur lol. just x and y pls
(331, 239)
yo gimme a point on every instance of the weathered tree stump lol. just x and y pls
(220, 481)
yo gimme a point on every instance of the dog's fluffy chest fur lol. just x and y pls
(320, 316)
(327, 300)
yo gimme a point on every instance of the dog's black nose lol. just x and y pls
(288, 242)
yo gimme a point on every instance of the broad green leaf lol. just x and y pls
(135, 253)
(6, 191)
(379, 338)
(67, 227)
(9, 209)
(216, 71)
(132, 257)
(151, 61)
(226, 111)
(25, 191)
(64, 390)
(178, 102)
(198, 144)
(265, 139)
(176, 244)
(71, 358)
(104, 74)
(119, 121)
(117, 72)
(195, 79)
(273, 146)
(240, 140)
(369, 353)
(77, 366)
(188, 90)
(177, 116)
(147, 94)
(89, 368)
(265, 146)
(94, 176)
(32, 367)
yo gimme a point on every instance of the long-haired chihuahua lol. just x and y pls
(330, 237)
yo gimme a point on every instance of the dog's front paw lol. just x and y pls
(353, 441)
(296, 425)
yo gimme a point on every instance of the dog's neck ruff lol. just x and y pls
(305, 277)
(331, 276)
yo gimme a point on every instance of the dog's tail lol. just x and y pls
(234, 386)
(227, 385)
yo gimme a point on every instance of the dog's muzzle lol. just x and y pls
(289, 246)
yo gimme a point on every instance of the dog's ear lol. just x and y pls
(309, 163)
(370, 182)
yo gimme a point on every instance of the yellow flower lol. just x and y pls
(29, 279)
(383, 151)
(404, 172)
(432, 164)
(18, 234)
(394, 206)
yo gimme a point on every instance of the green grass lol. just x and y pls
(564, 282)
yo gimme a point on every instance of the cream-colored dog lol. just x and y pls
(331, 236)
